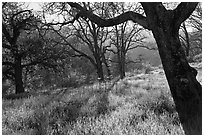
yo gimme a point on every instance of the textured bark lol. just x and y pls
(99, 67)
(185, 89)
(100, 72)
(122, 63)
(107, 66)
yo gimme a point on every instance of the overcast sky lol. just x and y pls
(36, 6)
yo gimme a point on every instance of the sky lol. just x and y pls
(34, 5)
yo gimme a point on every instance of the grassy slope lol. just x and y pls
(139, 104)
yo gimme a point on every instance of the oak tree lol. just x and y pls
(22, 46)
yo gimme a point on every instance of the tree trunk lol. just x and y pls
(185, 89)
(99, 68)
(121, 62)
(122, 65)
(108, 70)
(107, 66)
(100, 74)
(18, 76)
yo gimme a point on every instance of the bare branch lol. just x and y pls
(76, 50)
(142, 46)
(129, 15)
(111, 50)
(131, 61)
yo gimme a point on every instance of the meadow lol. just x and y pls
(140, 104)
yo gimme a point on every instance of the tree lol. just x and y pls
(22, 46)
(86, 35)
(165, 24)
(13, 23)
(125, 36)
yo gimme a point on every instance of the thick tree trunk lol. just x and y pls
(18, 76)
(100, 74)
(121, 63)
(107, 66)
(122, 67)
(108, 70)
(185, 89)
(99, 68)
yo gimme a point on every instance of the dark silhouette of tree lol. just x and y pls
(165, 24)
(22, 46)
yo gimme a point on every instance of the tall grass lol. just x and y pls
(137, 105)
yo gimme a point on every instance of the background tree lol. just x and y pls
(84, 35)
(181, 77)
(126, 36)
(22, 45)
(14, 21)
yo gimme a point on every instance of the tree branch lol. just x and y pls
(131, 61)
(73, 48)
(183, 11)
(142, 46)
(111, 50)
(129, 15)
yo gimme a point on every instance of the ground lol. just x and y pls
(138, 105)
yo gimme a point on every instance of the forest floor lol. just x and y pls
(140, 104)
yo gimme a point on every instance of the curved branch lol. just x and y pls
(22, 11)
(129, 15)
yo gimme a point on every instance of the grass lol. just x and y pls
(138, 105)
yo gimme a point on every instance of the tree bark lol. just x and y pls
(122, 54)
(18, 76)
(100, 72)
(122, 64)
(99, 67)
(107, 66)
(185, 89)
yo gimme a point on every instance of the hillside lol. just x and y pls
(151, 56)
(139, 104)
